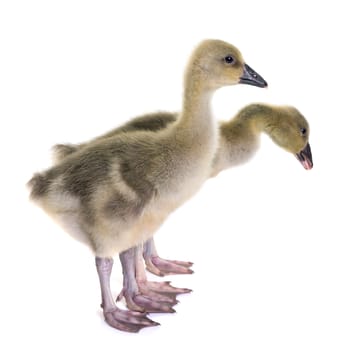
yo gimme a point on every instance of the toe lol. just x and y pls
(166, 287)
(152, 305)
(171, 267)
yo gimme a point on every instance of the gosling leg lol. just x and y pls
(140, 299)
(124, 320)
(151, 287)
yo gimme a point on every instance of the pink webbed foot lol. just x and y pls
(165, 288)
(162, 267)
(124, 320)
(127, 321)
(137, 294)
(159, 291)
(144, 300)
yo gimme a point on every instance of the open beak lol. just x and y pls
(305, 157)
(251, 77)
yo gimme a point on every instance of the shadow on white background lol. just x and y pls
(270, 241)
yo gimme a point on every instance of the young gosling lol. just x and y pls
(114, 193)
(238, 142)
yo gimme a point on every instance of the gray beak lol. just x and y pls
(251, 77)
(305, 157)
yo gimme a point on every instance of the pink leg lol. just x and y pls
(162, 267)
(137, 296)
(124, 320)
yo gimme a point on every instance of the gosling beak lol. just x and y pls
(305, 157)
(251, 77)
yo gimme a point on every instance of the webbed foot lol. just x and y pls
(163, 267)
(147, 301)
(127, 321)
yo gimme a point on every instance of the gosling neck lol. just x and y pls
(260, 118)
(240, 137)
(196, 110)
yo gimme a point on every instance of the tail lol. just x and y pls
(61, 151)
(40, 182)
(38, 186)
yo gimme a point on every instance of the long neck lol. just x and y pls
(196, 129)
(261, 117)
(196, 110)
(239, 138)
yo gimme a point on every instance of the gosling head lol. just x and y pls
(218, 63)
(290, 130)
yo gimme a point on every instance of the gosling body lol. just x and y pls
(239, 140)
(114, 193)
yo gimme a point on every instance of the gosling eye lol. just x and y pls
(230, 60)
(303, 131)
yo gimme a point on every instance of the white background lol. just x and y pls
(270, 241)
